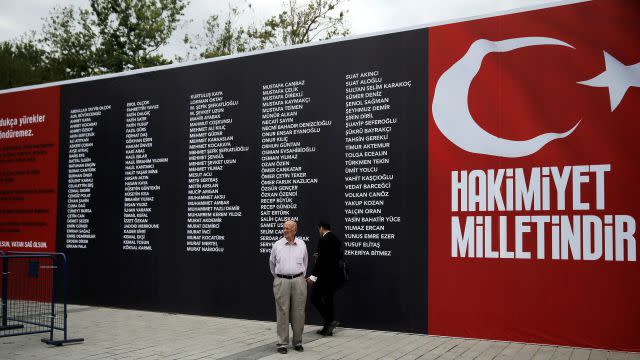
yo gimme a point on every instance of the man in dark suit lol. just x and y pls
(326, 277)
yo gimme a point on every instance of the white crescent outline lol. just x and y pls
(450, 106)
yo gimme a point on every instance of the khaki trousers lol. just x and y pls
(291, 298)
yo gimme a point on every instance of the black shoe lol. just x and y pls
(334, 324)
(322, 331)
(282, 350)
(298, 348)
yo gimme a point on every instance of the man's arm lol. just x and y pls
(272, 260)
(305, 261)
(312, 278)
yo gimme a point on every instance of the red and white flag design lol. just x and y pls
(533, 176)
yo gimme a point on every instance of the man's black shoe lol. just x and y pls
(322, 331)
(282, 350)
(298, 348)
(334, 324)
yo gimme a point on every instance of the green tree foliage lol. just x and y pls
(130, 32)
(301, 21)
(120, 35)
(22, 62)
(225, 38)
(70, 41)
(110, 36)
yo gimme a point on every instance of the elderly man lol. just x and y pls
(288, 263)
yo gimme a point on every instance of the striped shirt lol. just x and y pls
(288, 259)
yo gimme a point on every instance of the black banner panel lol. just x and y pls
(175, 184)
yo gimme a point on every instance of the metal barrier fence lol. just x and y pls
(34, 295)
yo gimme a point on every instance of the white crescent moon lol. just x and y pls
(451, 109)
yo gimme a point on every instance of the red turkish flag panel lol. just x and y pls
(527, 242)
(29, 122)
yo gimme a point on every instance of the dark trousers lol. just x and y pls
(322, 299)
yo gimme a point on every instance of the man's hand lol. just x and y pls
(309, 281)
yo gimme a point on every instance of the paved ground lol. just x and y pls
(127, 334)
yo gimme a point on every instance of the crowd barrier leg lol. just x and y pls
(29, 281)
(5, 291)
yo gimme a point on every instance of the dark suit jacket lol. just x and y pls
(327, 267)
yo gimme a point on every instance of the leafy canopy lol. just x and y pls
(120, 35)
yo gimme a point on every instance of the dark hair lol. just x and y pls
(325, 225)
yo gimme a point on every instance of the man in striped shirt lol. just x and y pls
(288, 264)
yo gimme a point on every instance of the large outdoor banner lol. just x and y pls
(481, 175)
(177, 182)
(533, 172)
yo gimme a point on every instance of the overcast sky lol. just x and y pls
(364, 16)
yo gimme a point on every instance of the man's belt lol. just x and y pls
(288, 276)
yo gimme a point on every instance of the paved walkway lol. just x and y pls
(127, 334)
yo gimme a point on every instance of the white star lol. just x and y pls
(618, 77)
